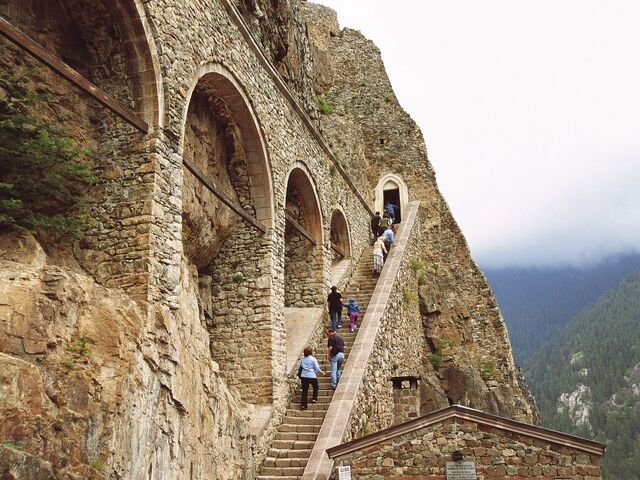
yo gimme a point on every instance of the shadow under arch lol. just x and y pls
(303, 284)
(219, 82)
(340, 235)
(391, 188)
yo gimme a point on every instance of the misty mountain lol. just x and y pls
(586, 379)
(537, 302)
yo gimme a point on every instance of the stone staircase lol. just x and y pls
(294, 440)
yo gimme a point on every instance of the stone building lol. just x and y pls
(460, 442)
(229, 199)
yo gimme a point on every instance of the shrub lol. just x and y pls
(238, 278)
(487, 369)
(325, 107)
(422, 279)
(410, 297)
(416, 264)
(14, 444)
(43, 174)
(436, 359)
(80, 347)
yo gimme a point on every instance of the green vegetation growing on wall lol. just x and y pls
(44, 176)
(325, 107)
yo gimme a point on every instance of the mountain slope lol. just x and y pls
(587, 378)
(537, 302)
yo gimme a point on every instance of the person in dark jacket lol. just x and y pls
(334, 302)
(390, 208)
(335, 356)
(375, 224)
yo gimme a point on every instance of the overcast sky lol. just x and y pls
(531, 114)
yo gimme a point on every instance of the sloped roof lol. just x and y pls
(465, 413)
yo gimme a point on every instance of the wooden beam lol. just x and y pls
(209, 185)
(303, 231)
(338, 250)
(39, 52)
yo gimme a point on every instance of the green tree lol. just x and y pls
(44, 176)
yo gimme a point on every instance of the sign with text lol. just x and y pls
(461, 471)
(344, 473)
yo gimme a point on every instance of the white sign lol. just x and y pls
(344, 473)
(461, 471)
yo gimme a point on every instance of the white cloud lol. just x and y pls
(531, 113)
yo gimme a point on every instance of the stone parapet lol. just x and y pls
(354, 394)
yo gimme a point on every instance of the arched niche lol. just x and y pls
(222, 138)
(303, 255)
(340, 236)
(391, 188)
(108, 42)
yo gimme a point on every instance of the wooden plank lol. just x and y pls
(39, 52)
(209, 185)
(338, 250)
(303, 231)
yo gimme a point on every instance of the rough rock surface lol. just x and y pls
(91, 383)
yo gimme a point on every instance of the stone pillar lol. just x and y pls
(406, 399)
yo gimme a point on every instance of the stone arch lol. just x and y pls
(104, 40)
(110, 44)
(303, 257)
(396, 190)
(232, 259)
(340, 235)
(228, 89)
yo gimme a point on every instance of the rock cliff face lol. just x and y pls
(156, 346)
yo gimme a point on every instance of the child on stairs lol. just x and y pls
(353, 310)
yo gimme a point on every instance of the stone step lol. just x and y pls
(296, 420)
(310, 406)
(288, 453)
(293, 444)
(296, 412)
(285, 427)
(294, 440)
(279, 477)
(322, 398)
(283, 471)
(311, 436)
(285, 462)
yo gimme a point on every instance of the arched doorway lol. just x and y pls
(232, 258)
(303, 285)
(391, 189)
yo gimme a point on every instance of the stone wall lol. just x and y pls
(498, 455)
(399, 347)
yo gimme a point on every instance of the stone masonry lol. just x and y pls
(149, 348)
(499, 449)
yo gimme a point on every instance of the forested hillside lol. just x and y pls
(537, 302)
(587, 378)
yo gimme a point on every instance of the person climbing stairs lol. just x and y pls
(294, 440)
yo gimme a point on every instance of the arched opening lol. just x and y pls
(229, 255)
(340, 245)
(391, 189)
(106, 42)
(303, 242)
